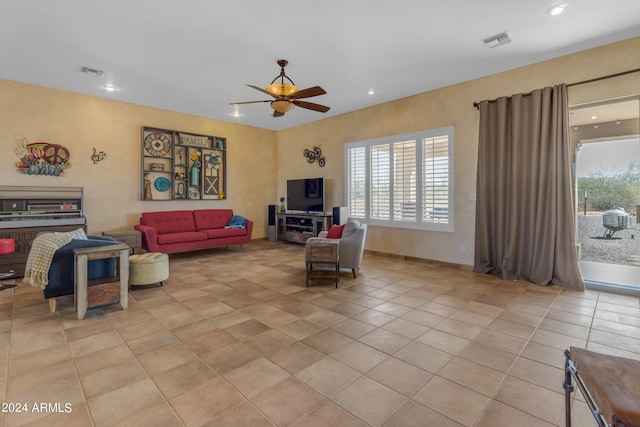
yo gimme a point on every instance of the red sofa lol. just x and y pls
(180, 231)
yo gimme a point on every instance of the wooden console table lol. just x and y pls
(298, 227)
(132, 238)
(101, 291)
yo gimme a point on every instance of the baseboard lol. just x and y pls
(431, 262)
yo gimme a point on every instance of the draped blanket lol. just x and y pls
(43, 248)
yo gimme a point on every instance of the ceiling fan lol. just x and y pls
(287, 95)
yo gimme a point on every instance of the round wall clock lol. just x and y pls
(157, 144)
(162, 184)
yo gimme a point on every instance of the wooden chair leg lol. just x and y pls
(353, 270)
(52, 305)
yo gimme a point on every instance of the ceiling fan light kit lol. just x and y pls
(281, 89)
(282, 106)
(287, 95)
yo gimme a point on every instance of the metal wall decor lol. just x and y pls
(97, 157)
(41, 158)
(315, 154)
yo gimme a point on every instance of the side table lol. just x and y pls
(132, 238)
(101, 291)
(325, 252)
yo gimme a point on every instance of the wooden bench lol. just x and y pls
(610, 386)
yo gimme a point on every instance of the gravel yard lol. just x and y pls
(623, 248)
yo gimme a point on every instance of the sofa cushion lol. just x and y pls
(350, 227)
(169, 222)
(185, 236)
(216, 233)
(78, 234)
(206, 219)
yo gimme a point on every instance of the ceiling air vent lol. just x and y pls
(497, 40)
(93, 71)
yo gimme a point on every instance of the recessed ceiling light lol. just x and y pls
(371, 92)
(109, 88)
(557, 9)
(594, 117)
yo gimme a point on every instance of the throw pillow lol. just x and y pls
(350, 227)
(78, 234)
(237, 221)
(335, 232)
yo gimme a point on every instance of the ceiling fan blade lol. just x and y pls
(311, 106)
(249, 102)
(277, 114)
(261, 90)
(307, 93)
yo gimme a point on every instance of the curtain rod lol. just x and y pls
(603, 77)
(596, 79)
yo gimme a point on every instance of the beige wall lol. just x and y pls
(255, 180)
(112, 187)
(449, 106)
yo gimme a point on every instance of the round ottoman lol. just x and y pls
(148, 268)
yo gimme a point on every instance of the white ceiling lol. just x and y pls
(605, 112)
(195, 56)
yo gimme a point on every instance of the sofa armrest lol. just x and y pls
(352, 248)
(249, 228)
(149, 237)
(323, 234)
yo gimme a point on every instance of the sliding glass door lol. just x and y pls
(608, 192)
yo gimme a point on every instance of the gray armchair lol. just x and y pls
(351, 245)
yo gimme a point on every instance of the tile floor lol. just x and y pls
(235, 339)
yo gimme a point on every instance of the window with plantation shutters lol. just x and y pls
(402, 181)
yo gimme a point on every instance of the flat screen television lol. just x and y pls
(305, 195)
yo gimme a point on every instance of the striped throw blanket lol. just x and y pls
(43, 248)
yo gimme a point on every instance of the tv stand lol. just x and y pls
(298, 227)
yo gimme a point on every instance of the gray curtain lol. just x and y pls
(525, 219)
